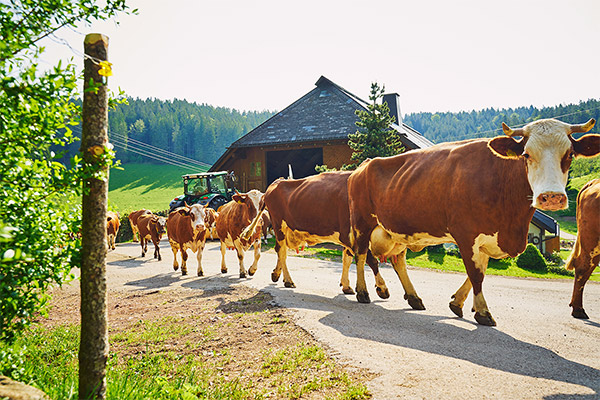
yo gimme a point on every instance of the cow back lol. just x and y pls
(133, 217)
(460, 188)
(317, 204)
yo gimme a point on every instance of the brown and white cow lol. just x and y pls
(479, 194)
(586, 253)
(133, 217)
(187, 229)
(151, 227)
(112, 228)
(233, 218)
(211, 222)
(313, 210)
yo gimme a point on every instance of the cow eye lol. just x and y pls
(526, 155)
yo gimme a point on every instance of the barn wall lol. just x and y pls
(249, 164)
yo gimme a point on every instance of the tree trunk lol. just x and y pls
(93, 346)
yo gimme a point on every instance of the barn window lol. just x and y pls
(255, 169)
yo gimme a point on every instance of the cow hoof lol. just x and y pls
(348, 290)
(579, 313)
(143, 255)
(175, 267)
(159, 259)
(363, 297)
(251, 272)
(183, 272)
(274, 277)
(242, 275)
(223, 271)
(289, 284)
(382, 293)
(200, 273)
(485, 319)
(415, 302)
(456, 310)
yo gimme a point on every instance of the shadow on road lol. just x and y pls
(485, 346)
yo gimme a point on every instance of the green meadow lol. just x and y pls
(148, 186)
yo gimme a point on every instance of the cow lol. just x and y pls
(313, 210)
(234, 217)
(211, 221)
(133, 217)
(187, 229)
(586, 253)
(479, 194)
(151, 227)
(112, 228)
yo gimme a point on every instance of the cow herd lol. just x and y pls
(478, 194)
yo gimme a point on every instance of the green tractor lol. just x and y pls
(210, 189)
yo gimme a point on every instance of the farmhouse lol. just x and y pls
(311, 131)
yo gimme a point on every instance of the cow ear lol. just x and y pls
(183, 211)
(108, 219)
(239, 198)
(507, 147)
(586, 146)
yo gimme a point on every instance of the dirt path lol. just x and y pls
(537, 351)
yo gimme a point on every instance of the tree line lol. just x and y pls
(451, 126)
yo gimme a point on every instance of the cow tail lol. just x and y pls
(249, 230)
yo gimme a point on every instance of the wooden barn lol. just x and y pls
(311, 131)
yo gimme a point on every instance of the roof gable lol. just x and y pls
(325, 113)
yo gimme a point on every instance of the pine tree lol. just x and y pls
(374, 137)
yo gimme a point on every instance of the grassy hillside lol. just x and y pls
(145, 186)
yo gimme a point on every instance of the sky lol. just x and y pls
(438, 55)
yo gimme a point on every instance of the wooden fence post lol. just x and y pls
(93, 346)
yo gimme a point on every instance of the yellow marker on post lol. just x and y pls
(105, 68)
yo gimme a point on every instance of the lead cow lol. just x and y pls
(479, 194)
(586, 253)
(313, 210)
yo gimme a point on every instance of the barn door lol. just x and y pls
(303, 162)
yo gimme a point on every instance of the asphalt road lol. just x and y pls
(537, 351)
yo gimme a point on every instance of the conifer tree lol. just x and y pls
(374, 137)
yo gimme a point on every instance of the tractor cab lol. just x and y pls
(211, 189)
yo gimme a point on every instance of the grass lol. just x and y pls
(150, 186)
(145, 361)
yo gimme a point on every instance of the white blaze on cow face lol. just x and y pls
(254, 196)
(547, 149)
(547, 144)
(197, 217)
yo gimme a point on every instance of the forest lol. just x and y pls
(202, 132)
(450, 126)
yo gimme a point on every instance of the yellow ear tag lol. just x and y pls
(511, 153)
(105, 68)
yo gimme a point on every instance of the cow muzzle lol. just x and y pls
(550, 201)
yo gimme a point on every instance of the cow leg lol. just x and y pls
(143, 248)
(362, 294)
(410, 294)
(199, 257)
(254, 265)
(223, 250)
(184, 257)
(476, 264)
(281, 249)
(239, 249)
(380, 286)
(157, 251)
(174, 249)
(134, 231)
(345, 282)
(584, 266)
(458, 298)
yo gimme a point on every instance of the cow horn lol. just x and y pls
(186, 204)
(582, 128)
(508, 131)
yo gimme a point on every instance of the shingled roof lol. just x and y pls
(325, 113)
